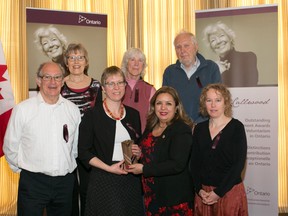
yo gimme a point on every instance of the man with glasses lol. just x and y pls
(41, 143)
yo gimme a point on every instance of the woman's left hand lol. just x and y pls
(136, 151)
(135, 168)
(211, 198)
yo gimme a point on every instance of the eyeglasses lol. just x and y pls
(57, 78)
(74, 58)
(112, 85)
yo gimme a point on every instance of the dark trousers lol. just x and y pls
(38, 191)
(81, 175)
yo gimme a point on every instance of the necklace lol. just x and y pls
(162, 126)
(111, 114)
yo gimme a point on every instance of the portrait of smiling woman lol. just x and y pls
(52, 43)
(238, 69)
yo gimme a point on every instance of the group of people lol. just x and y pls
(189, 150)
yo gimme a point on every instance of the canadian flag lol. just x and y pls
(6, 98)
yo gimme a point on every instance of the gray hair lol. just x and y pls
(212, 28)
(44, 31)
(130, 53)
(184, 32)
(40, 72)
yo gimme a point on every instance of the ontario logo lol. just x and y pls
(252, 191)
(82, 19)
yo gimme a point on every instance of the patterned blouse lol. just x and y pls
(85, 98)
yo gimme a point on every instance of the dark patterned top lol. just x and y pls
(150, 200)
(85, 98)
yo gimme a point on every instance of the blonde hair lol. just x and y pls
(225, 93)
(109, 71)
(73, 48)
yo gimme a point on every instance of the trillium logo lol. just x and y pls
(252, 191)
(88, 21)
(249, 190)
(81, 18)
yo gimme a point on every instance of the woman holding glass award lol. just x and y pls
(111, 189)
(166, 146)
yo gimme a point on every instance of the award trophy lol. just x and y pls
(127, 152)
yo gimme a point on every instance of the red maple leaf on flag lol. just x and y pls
(6, 98)
(3, 68)
(0, 94)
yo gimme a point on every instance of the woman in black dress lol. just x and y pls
(111, 189)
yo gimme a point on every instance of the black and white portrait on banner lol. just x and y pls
(49, 33)
(244, 43)
(241, 44)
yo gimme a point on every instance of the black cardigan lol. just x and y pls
(220, 167)
(170, 165)
(97, 133)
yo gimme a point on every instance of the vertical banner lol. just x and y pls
(245, 49)
(49, 33)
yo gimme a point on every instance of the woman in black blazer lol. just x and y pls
(166, 146)
(111, 189)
